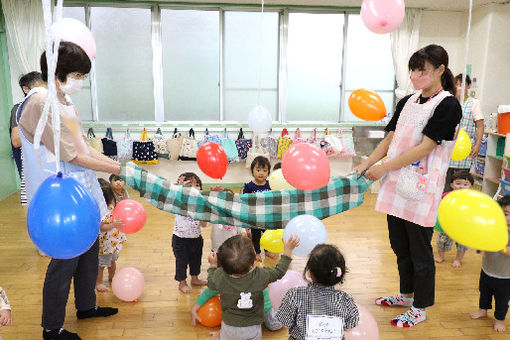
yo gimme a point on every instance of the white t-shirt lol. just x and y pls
(186, 227)
(476, 110)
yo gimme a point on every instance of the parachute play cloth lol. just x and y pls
(269, 210)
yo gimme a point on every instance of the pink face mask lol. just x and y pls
(420, 81)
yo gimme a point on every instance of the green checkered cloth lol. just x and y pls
(261, 210)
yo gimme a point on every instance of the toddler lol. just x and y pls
(319, 301)
(461, 179)
(495, 279)
(187, 241)
(232, 273)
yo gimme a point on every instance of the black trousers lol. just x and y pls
(256, 234)
(415, 259)
(499, 288)
(187, 252)
(58, 282)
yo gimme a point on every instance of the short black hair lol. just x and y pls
(191, 176)
(462, 174)
(504, 201)
(71, 58)
(324, 263)
(236, 255)
(277, 166)
(30, 79)
(262, 162)
(114, 177)
(458, 77)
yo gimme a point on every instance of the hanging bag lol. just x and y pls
(209, 138)
(109, 145)
(189, 147)
(144, 151)
(298, 138)
(284, 143)
(160, 144)
(95, 142)
(333, 145)
(270, 144)
(174, 145)
(125, 148)
(255, 151)
(229, 145)
(242, 145)
(313, 139)
(347, 145)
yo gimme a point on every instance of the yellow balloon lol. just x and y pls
(462, 147)
(473, 219)
(278, 182)
(272, 240)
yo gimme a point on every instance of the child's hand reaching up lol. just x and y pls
(290, 245)
(194, 315)
(5, 317)
(213, 260)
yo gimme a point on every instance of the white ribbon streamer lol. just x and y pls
(52, 46)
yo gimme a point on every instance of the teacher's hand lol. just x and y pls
(376, 172)
(360, 168)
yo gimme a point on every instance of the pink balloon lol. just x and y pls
(132, 214)
(306, 167)
(127, 284)
(75, 31)
(382, 16)
(366, 328)
(278, 289)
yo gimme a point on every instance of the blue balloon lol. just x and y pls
(309, 229)
(63, 218)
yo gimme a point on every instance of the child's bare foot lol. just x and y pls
(481, 313)
(195, 281)
(499, 326)
(258, 258)
(183, 287)
(456, 264)
(101, 287)
(271, 255)
(214, 336)
(439, 259)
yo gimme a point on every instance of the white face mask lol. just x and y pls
(71, 85)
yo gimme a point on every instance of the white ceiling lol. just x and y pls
(453, 5)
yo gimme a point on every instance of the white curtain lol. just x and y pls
(25, 34)
(404, 42)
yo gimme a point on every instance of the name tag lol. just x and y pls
(322, 327)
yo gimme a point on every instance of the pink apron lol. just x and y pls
(413, 192)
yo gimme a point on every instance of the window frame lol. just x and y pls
(281, 89)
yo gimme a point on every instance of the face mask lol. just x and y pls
(420, 81)
(71, 85)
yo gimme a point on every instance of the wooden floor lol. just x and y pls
(163, 312)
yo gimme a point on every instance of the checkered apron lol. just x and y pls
(468, 125)
(413, 193)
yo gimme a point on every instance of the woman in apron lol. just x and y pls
(79, 161)
(417, 148)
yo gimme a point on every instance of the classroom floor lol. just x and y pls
(164, 313)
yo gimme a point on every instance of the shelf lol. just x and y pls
(495, 157)
(476, 175)
(496, 134)
(493, 179)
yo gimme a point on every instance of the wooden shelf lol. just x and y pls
(495, 157)
(476, 175)
(496, 134)
(493, 179)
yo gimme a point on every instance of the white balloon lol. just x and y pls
(259, 119)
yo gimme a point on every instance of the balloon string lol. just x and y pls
(464, 74)
(260, 54)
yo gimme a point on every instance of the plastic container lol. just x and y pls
(505, 187)
(500, 147)
(506, 171)
(504, 123)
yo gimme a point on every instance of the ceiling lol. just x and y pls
(452, 5)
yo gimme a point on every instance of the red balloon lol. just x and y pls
(210, 312)
(132, 214)
(306, 167)
(212, 160)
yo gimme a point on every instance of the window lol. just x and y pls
(315, 43)
(123, 63)
(191, 64)
(369, 64)
(82, 99)
(249, 54)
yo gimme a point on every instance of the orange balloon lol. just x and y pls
(367, 105)
(210, 312)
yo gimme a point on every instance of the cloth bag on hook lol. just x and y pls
(298, 138)
(209, 138)
(144, 151)
(255, 151)
(229, 145)
(189, 147)
(160, 144)
(109, 145)
(313, 139)
(125, 148)
(332, 145)
(347, 145)
(242, 145)
(284, 143)
(174, 145)
(95, 142)
(270, 144)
